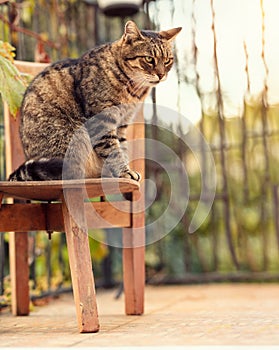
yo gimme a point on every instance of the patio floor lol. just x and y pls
(217, 314)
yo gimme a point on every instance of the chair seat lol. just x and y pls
(53, 190)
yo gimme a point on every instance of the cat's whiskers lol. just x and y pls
(139, 83)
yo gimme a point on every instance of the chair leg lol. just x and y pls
(134, 265)
(80, 261)
(19, 272)
(134, 279)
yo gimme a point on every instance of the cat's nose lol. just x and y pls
(161, 76)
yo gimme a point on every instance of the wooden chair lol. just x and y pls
(51, 212)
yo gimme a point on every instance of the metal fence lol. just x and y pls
(239, 239)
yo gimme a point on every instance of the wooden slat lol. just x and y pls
(18, 242)
(53, 190)
(32, 68)
(134, 271)
(32, 216)
(80, 261)
(13, 147)
(108, 214)
(134, 266)
(19, 269)
(134, 237)
(24, 217)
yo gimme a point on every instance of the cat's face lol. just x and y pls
(147, 56)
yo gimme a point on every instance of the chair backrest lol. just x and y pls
(14, 152)
(13, 146)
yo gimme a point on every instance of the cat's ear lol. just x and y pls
(132, 31)
(170, 34)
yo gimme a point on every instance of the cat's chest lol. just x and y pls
(127, 112)
(128, 96)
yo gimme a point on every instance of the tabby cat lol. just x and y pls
(78, 109)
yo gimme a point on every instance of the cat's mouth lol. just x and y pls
(153, 80)
(156, 80)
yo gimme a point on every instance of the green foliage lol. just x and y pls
(251, 162)
(12, 83)
(56, 250)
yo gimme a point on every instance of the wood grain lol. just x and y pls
(32, 216)
(18, 241)
(80, 262)
(53, 190)
(19, 270)
(134, 237)
(32, 68)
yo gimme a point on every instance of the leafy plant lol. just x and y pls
(12, 82)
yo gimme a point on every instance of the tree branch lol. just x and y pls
(28, 32)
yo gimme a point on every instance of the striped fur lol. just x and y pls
(80, 108)
(41, 170)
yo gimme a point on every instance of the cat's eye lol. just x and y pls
(168, 61)
(149, 59)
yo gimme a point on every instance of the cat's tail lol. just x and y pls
(42, 169)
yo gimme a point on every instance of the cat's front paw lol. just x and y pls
(131, 174)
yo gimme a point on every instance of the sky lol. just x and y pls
(240, 25)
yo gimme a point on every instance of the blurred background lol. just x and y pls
(225, 82)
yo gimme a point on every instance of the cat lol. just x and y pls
(79, 109)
